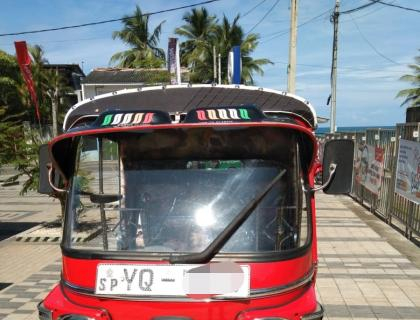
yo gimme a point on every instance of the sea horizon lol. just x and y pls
(324, 130)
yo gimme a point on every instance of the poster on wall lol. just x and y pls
(369, 167)
(407, 182)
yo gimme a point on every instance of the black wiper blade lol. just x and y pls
(218, 243)
(101, 198)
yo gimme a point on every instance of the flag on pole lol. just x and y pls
(24, 61)
(235, 65)
(174, 65)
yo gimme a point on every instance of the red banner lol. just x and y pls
(24, 61)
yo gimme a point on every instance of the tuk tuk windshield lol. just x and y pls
(167, 192)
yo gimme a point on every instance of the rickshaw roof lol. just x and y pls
(180, 99)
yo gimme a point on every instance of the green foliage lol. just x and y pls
(12, 102)
(20, 149)
(144, 51)
(19, 143)
(157, 76)
(412, 95)
(9, 66)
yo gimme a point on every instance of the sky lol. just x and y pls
(374, 48)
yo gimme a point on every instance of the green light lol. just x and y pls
(244, 114)
(107, 120)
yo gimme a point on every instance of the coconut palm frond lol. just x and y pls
(144, 50)
(411, 95)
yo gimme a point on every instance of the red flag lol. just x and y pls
(24, 61)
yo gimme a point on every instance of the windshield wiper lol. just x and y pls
(218, 243)
(101, 198)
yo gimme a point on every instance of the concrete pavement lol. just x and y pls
(28, 266)
(362, 275)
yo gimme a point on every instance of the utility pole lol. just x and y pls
(220, 68)
(214, 65)
(334, 68)
(291, 67)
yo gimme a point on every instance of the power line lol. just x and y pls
(42, 42)
(367, 14)
(371, 45)
(361, 7)
(346, 68)
(253, 8)
(105, 21)
(265, 16)
(286, 31)
(396, 6)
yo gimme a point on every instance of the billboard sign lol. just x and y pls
(407, 182)
(369, 167)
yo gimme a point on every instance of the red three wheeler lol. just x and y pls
(190, 202)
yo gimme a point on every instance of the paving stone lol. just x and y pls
(6, 311)
(20, 311)
(9, 304)
(16, 316)
(24, 300)
(27, 294)
(28, 306)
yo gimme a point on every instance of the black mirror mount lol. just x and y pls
(44, 161)
(47, 179)
(332, 169)
(337, 167)
(51, 179)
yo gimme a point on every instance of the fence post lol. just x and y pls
(391, 192)
(375, 198)
(362, 188)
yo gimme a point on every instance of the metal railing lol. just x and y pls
(387, 204)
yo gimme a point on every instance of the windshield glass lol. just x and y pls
(155, 192)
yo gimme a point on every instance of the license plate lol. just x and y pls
(170, 280)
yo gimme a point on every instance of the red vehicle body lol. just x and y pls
(282, 270)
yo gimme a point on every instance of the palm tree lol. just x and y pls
(412, 95)
(144, 50)
(37, 55)
(199, 31)
(50, 86)
(55, 88)
(229, 35)
(38, 72)
(203, 32)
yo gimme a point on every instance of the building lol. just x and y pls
(105, 80)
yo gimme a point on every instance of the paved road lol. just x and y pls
(362, 275)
